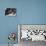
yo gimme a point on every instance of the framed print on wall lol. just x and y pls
(10, 12)
(32, 32)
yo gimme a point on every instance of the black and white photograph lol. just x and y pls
(10, 12)
(31, 33)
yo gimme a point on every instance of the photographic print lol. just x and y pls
(10, 12)
(33, 32)
(29, 34)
